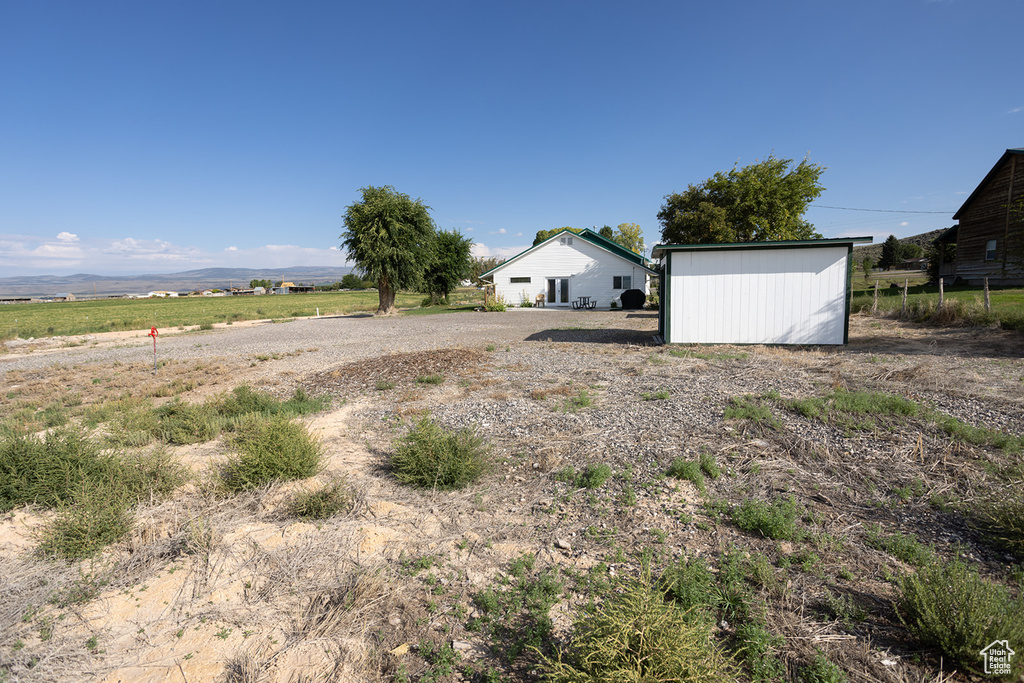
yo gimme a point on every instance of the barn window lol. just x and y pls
(990, 250)
(519, 280)
(567, 241)
(622, 281)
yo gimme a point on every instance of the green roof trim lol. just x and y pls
(587, 235)
(784, 244)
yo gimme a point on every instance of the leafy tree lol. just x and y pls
(390, 237)
(481, 265)
(764, 201)
(911, 250)
(866, 264)
(607, 233)
(946, 251)
(351, 281)
(266, 284)
(892, 253)
(545, 234)
(451, 264)
(631, 236)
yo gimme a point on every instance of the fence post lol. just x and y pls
(874, 302)
(988, 301)
(942, 293)
(903, 311)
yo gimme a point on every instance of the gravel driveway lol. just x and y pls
(330, 340)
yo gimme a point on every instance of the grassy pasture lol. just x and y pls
(59, 319)
(922, 299)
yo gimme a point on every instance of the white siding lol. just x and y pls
(589, 268)
(758, 296)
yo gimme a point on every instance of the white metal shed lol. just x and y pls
(794, 292)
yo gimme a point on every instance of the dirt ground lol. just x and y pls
(214, 587)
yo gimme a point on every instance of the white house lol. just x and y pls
(794, 292)
(568, 266)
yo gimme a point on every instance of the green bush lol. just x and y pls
(593, 476)
(950, 607)
(690, 584)
(757, 647)
(323, 502)
(747, 408)
(688, 471)
(1001, 519)
(904, 547)
(821, 670)
(430, 457)
(270, 449)
(186, 423)
(635, 635)
(93, 518)
(45, 471)
(776, 520)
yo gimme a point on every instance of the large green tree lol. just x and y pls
(390, 237)
(631, 236)
(451, 264)
(483, 264)
(764, 201)
(892, 253)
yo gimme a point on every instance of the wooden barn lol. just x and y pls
(989, 237)
(793, 292)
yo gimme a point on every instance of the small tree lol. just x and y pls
(545, 234)
(607, 232)
(451, 264)
(866, 265)
(481, 264)
(390, 237)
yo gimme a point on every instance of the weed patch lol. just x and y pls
(950, 607)
(323, 502)
(776, 520)
(430, 457)
(269, 450)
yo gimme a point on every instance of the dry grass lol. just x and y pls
(351, 596)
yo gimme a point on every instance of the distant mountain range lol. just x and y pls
(87, 285)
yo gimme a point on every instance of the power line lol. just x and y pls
(846, 208)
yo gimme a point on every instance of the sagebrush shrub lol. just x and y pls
(270, 449)
(431, 457)
(635, 635)
(949, 606)
(776, 520)
(323, 502)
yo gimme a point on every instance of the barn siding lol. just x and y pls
(988, 215)
(759, 296)
(589, 268)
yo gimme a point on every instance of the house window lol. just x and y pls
(567, 241)
(519, 280)
(622, 281)
(990, 250)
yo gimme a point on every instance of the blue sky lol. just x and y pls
(144, 137)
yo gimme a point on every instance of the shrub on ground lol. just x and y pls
(1001, 519)
(688, 470)
(93, 517)
(904, 547)
(690, 584)
(635, 635)
(186, 423)
(270, 449)
(776, 520)
(431, 457)
(950, 607)
(324, 501)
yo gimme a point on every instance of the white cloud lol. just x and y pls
(904, 224)
(231, 249)
(519, 234)
(67, 237)
(502, 231)
(481, 250)
(1016, 110)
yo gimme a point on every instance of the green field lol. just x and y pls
(966, 303)
(60, 319)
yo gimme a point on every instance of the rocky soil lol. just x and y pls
(210, 587)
